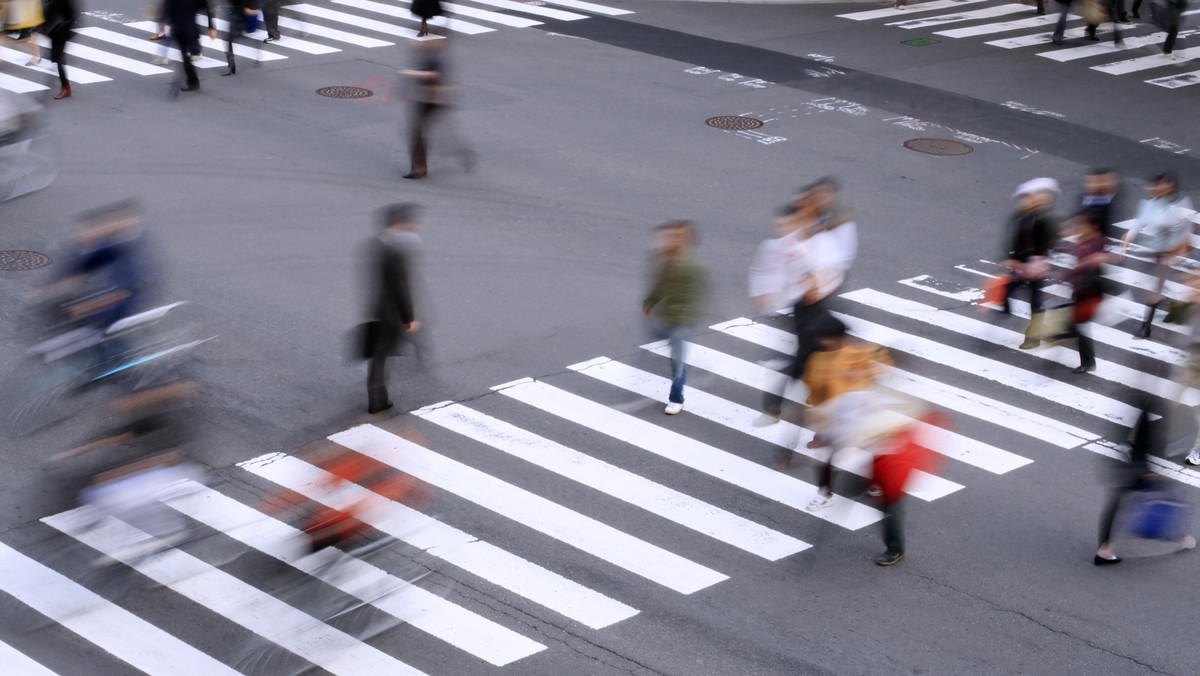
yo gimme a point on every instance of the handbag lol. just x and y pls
(1093, 12)
(995, 290)
(252, 21)
(1159, 517)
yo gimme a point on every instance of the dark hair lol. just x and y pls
(829, 327)
(824, 181)
(401, 212)
(787, 210)
(1099, 171)
(1092, 216)
(1165, 176)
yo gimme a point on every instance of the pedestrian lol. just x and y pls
(674, 303)
(839, 366)
(243, 20)
(1191, 367)
(23, 16)
(429, 92)
(270, 10)
(392, 259)
(1086, 245)
(1101, 196)
(1163, 226)
(181, 15)
(1167, 15)
(1094, 13)
(60, 24)
(827, 242)
(426, 10)
(1135, 479)
(1033, 232)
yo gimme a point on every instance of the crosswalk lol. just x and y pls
(100, 53)
(998, 25)
(562, 504)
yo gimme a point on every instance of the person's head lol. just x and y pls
(110, 222)
(1100, 181)
(788, 221)
(830, 333)
(1086, 224)
(820, 195)
(674, 237)
(399, 216)
(1162, 185)
(1036, 195)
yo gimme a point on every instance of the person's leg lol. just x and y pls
(1173, 15)
(1104, 551)
(58, 54)
(418, 149)
(1060, 28)
(678, 366)
(271, 19)
(1087, 348)
(1133, 11)
(377, 394)
(893, 526)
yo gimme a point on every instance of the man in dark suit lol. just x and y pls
(392, 257)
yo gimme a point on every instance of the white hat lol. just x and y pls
(1037, 185)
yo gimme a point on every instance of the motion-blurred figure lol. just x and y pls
(1086, 278)
(23, 16)
(426, 9)
(1033, 231)
(817, 257)
(392, 259)
(1134, 489)
(181, 15)
(1191, 368)
(243, 20)
(431, 94)
(675, 300)
(1101, 196)
(839, 366)
(1163, 226)
(111, 255)
(60, 24)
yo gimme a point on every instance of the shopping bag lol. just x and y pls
(1093, 12)
(994, 291)
(1160, 517)
(907, 450)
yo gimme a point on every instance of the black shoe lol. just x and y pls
(377, 409)
(190, 88)
(228, 71)
(416, 174)
(1101, 561)
(1093, 38)
(1081, 369)
(1143, 331)
(1134, 15)
(1057, 41)
(889, 558)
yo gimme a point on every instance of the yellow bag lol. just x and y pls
(1093, 12)
(23, 14)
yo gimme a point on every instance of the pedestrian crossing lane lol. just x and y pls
(13, 661)
(110, 627)
(469, 553)
(547, 517)
(614, 481)
(697, 455)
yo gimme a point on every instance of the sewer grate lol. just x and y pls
(18, 260)
(344, 92)
(734, 122)
(938, 146)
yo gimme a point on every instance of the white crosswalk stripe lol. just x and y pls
(101, 56)
(13, 661)
(655, 498)
(110, 627)
(1038, 32)
(21, 59)
(16, 84)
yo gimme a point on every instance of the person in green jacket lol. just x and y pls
(673, 304)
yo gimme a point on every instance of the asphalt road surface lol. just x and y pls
(571, 534)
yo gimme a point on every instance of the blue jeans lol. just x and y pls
(675, 335)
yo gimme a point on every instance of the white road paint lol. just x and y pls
(142, 45)
(107, 58)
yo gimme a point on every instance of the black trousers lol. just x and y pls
(271, 17)
(1035, 292)
(805, 318)
(424, 114)
(58, 50)
(186, 36)
(382, 348)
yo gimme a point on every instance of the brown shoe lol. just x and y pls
(64, 94)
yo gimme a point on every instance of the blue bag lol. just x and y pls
(252, 21)
(1160, 518)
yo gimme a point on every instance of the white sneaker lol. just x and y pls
(195, 57)
(1193, 458)
(673, 407)
(159, 61)
(820, 502)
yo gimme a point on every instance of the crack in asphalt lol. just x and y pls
(1034, 620)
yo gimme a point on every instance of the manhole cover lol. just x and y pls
(937, 146)
(919, 42)
(343, 92)
(23, 260)
(735, 122)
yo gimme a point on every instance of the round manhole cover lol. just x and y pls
(18, 260)
(938, 146)
(344, 92)
(734, 122)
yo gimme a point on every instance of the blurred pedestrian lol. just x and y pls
(675, 300)
(1101, 197)
(1094, 13)
(1162, 225)
(430, 92)
(270, 10)
(426, 10)
(1033, 231)
(1191, 367)
(60, 24)
(23, 16)
(1086, 245)
(819, 256)
(839, 366)
(243, 20)
(1135, 480)
(393, 253)
(181, 15)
